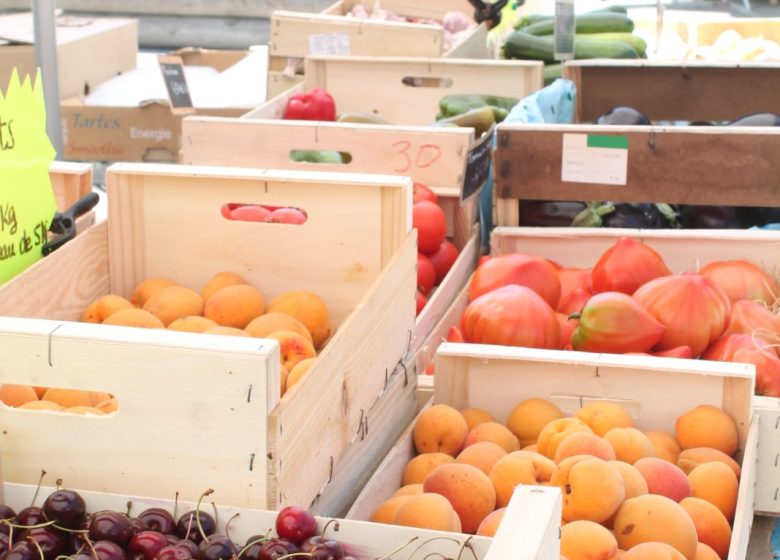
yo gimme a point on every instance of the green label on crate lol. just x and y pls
(27, 204)
(617, 142)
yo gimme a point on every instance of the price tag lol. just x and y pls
(172, 69)
(477, 166)
(329, 43)
(27, 204)
(590, 158)
(565, 28)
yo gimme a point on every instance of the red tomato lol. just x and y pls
(227, 213)
(422, 192)
(443, 259)
(421, 301)
(426, 274)
(287, 216)
(250, 213)
(454, 335)
(431, 224)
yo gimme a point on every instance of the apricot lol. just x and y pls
(298, 371)
(69, 398)
(495, 432)
(529, 417)
(41, 405)
(704, 552)
(519, 467)
(409, 490)
(602, 416)
(40, 391)
(100, 310)
(262, 326)
(146, 289)
(533, 447)
(716, 483)
(428, 511)
(440, 428)
(629, 444)
(712, 527)
(309, 309)
(108, 406)
(386, 511)
(633, 482)
(476, 416)
(664, 445)
(483, 455)
(585, 540)
(174, 302)
(490, 524)
(556, 431)
(653, 551)
(419, 467)
(293, 348)
(584, 443)
(664, 478)
(192, 323)
(707, 426)
(85, 410)
(134, 318)
(17, 395)
(654, 518)
(592, 488)
(235, 306)
(467, 488)
(692, 458)
(221, 280)
(226, 331)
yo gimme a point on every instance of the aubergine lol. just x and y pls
(549, 213)
(626, 215)
(757, 119)
(623, 116)
(710, 217)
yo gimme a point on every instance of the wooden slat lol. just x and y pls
(691, 91)
(743, 518)
(70, 181)
(696, 165)
(705, 33)
(768, 476)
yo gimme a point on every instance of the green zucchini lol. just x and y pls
(638, 44)
(612, 9)
(521, 45)
(531, 19)
(604, 22)
(552, 72)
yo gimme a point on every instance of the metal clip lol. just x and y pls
(64, 223)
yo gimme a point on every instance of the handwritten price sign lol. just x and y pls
(27, 203)
(412, 157)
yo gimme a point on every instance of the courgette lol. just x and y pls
(521, 45)
(639, 44)
(552, 72)
(604, 22)
(531, 19)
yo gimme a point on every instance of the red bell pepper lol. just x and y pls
(314, 105)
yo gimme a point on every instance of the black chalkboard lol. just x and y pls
(173, 73)
(477, 166)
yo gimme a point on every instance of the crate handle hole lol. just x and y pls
(248, 212)
(317, 157)
(56, 400)
(426, 82)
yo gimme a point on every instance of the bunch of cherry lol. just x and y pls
(62, 529)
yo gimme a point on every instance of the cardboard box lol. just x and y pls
(150, 131)
(90, 50)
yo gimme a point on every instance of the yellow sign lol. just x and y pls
(27, 203)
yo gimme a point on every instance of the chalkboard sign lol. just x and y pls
(172, 69)
(477, 166)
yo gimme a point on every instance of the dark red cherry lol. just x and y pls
(77, 542)
(295, 524)
(80, 557)
(252, 547)
(190, 546)
(51, 541)
(146, 544)
(6, 512)
(66, 507)
(276, 548)
(187, 527)
(158, 519)
(32, 515)
(173, 539)
(217, 547)
(322, 548)
(111, 526)
(108, 550)
(174, 553)
(137, 526)
(23, 550)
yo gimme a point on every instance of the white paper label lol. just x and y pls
(329, 43)
(594, 159)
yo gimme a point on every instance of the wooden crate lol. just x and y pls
(291, 34)
(664, 164)
(366, 540)
(705, 33)
(495, 378)
(165, 221)
(373, 149)
(70, 182)
(692, 91)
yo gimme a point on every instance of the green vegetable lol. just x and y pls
(316, 156)
(480, 120)
(552, 72)
(521, 45)
(537, 18)
(604, 22)
(454, 105)
(638, 44)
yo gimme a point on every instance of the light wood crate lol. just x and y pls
(291, 31)
(705, 33)
(70, 182)
(692, 91)
(496, 378)
(665, 164)
(166, 221)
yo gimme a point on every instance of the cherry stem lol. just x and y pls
(467, 544)
(66, 530)
(129, 507)
(434, 554)
(38, 526)
(40, 550)
(216, 514)
(175, 504)
(430, 541)
(38, 488)
(208, 492)
(189, 526)
(227, 525)
(58, 483)
(322, 533)
(399, 549)
(91, 547)
(251, 544)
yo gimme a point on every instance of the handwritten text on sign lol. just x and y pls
(412, 156)
(27, 203)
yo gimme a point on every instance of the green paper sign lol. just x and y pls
(27, 203)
